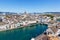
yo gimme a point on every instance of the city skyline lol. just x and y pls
(30, 5)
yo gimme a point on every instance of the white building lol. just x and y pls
(4, 27)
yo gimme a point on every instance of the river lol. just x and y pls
(25, 33)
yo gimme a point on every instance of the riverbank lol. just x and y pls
(31, 24)
(20, 27)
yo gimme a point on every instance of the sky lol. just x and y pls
(30, 6)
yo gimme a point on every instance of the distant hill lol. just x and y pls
(52, 12)
(13, 13)
(7, 13)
